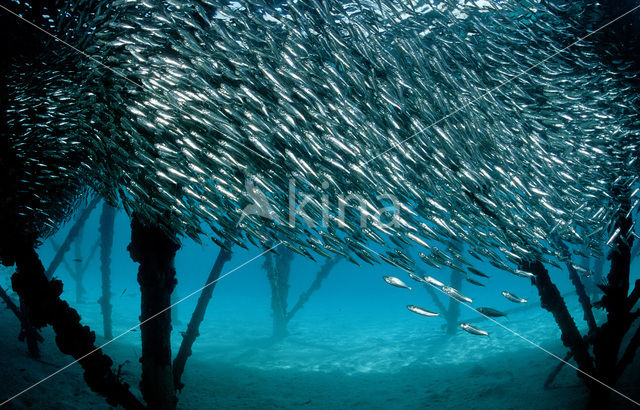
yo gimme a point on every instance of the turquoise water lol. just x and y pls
(353, 345)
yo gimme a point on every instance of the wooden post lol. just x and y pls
(78, 274)
(192, 332)
(552, 301)
(27, 331)
(453, 312)
(583, 298)
(73, 232)
(315, 285)
(278, 275)
(107, 219)
(42, 296)
(155, 251)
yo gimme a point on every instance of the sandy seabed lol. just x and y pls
(327, 364)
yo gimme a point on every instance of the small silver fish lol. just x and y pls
(433, 281)
(456, 294)
(421, 311)
(473, 330)
(523, 273)
(393, 281)
(513, 298)
(416, 277)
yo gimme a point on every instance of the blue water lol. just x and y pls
(353, 345)
(355, 291)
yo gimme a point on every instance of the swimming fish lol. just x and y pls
(454, 293)
(474, 282)
(416, 277)
(523, 273)
(473, 330)
(487, 311)
(257, 90)
(433, 281)
(393, 281)
(510, 296)
(422, 311)
(477, 272)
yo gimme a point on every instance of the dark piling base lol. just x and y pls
(46, 308)
(154, 250)
(552, 301)
(585, 302)
(27, 332)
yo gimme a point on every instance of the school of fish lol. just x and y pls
(469, 114)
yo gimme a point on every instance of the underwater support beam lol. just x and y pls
(583, 298)
(46, 308)
(27, 331)
(197, 317)
(618, 304)
(56, 248)
(278, 275)
(154, 249)
(629, 353)
(434, 296)
(73, 232)
(452, 314)
(552, 301)
(107, 219)
(87, 260)
(322, 274)
(556, 370)
(78, 273)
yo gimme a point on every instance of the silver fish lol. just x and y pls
(510, 296)
(393, 281)
(456, 294)
(416, 277)
(216, 94)
(433, 281)
(473, 330)
(422, 311)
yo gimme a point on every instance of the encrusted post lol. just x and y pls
(27, 331)
(551, 300)
(46, 308)
(155, 251)
(278, 276)
(107, 219)
(583, 298)
(618, 304)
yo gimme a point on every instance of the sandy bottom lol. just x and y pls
(327, 364)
